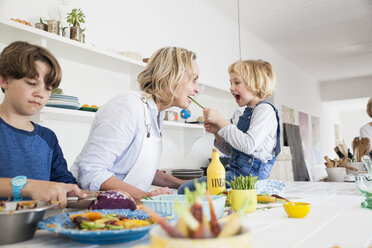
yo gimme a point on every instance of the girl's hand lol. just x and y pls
(214, 117)
(211, 128)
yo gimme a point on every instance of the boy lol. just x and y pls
(28, 73)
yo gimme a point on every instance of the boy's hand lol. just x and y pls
(51, 191)
(214, 117)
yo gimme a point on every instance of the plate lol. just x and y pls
(63, 106)
(88, 109)
(187, 171)
(64, 97)
(64, 225)
(187, 177)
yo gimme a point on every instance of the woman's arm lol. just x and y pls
(114, 183)
(112, 133)
(165, 180)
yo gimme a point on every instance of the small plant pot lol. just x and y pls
(41, 26)
(75, 33)
(237, 198)
(53, 26)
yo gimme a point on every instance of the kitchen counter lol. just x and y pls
(336, 218)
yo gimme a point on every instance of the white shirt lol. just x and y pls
(366, 132)
(259, 140)
(115, 140)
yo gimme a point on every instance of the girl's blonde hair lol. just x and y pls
(369, 106)
(163, 73)
(258, 76)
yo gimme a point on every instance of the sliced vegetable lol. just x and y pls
(174, 233)
(234, 221)
(265, 198)
(215, 227)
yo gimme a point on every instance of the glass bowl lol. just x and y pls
(364, 185)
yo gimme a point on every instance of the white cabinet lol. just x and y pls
(82, 66)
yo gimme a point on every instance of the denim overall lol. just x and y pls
(241, 163)
(244, 164)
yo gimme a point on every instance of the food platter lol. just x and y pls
(62, 224)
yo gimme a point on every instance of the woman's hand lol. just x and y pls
(51, 191)
(161, 191)
(214, 117)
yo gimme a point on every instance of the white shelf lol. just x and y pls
(80, 115)
(215, 92)
(84, 54)
(192, 134)
(69, 49)
(182, 125)
(64, 115)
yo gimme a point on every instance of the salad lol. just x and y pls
(91, 221)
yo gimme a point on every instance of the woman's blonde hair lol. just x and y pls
(258, 76)
(369, 106)
(163, 73)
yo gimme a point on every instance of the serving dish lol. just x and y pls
(62, 224)
(159, 239)
(165, 204)
(18, 220)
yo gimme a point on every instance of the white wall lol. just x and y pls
(350, 115)
(144, 26)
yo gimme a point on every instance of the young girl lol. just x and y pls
(254, 144)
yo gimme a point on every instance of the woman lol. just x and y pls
(366, 130)
(124, 143)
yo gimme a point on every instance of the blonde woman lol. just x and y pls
(124, 144)
(254, 143)
(366, 130)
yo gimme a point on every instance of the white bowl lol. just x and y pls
(336, 174)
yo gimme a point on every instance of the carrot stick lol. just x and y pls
(172, 232)
(215, 227)
(197, 212)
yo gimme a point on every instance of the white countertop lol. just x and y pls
(336, 218)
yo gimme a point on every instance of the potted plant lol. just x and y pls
(242, 188)
(41, 25)
(74, 18)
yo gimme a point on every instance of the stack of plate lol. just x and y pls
(186, 174)
(63, 101)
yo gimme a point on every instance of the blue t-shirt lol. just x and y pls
(35, 154)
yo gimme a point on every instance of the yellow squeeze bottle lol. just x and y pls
(215, 175)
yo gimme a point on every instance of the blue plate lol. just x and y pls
(64, 225)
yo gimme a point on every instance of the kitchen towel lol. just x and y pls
(269, 186)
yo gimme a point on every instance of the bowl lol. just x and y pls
(20, 224)
(164, 204)
(297, 209)
(159, 239)
(364, 185)
(336, 174)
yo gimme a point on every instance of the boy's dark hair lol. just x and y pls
(18, 61)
